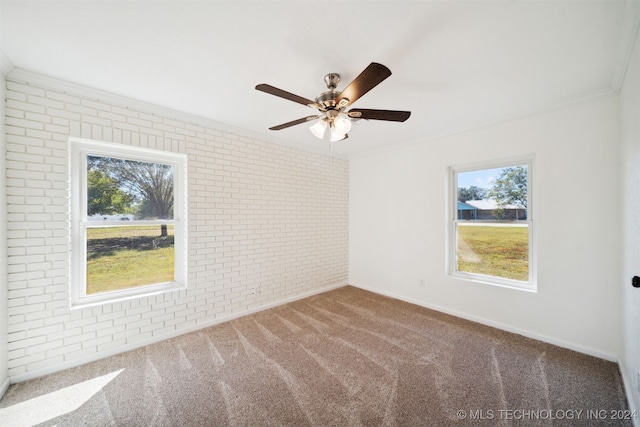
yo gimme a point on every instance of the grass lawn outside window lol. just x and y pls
(494, 250)
(126, 257)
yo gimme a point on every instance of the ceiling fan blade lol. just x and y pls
(287, 95)
(389, 115)
(373, 75)
(294, 122)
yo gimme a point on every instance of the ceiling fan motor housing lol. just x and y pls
(328, 99)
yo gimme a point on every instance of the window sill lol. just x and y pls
(125, 295)
(495, 281)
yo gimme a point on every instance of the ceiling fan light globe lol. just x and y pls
(342, 125)
(318, 129)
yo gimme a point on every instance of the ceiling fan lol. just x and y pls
(332, 104)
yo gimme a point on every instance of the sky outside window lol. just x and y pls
(483, 178)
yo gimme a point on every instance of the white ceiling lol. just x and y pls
(455, 64)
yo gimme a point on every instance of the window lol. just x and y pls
(491, 235)
(128, 221)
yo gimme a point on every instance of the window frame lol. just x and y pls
(452, 258)
(79, 150)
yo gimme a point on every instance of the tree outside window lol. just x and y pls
(126, 186)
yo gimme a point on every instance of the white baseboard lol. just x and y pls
(101, 355)
(497, 325)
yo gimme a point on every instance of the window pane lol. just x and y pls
(493, 194)
(125, 190)
(499, 250)
(129, 256)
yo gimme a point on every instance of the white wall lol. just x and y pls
(398, 225)
(261, 216)
(630, 136)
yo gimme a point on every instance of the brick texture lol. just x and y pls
(266, 223)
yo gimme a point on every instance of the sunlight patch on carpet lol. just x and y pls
(54, 404)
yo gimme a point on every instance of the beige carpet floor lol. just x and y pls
(346, 357)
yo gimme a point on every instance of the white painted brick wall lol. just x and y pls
(267, 223)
